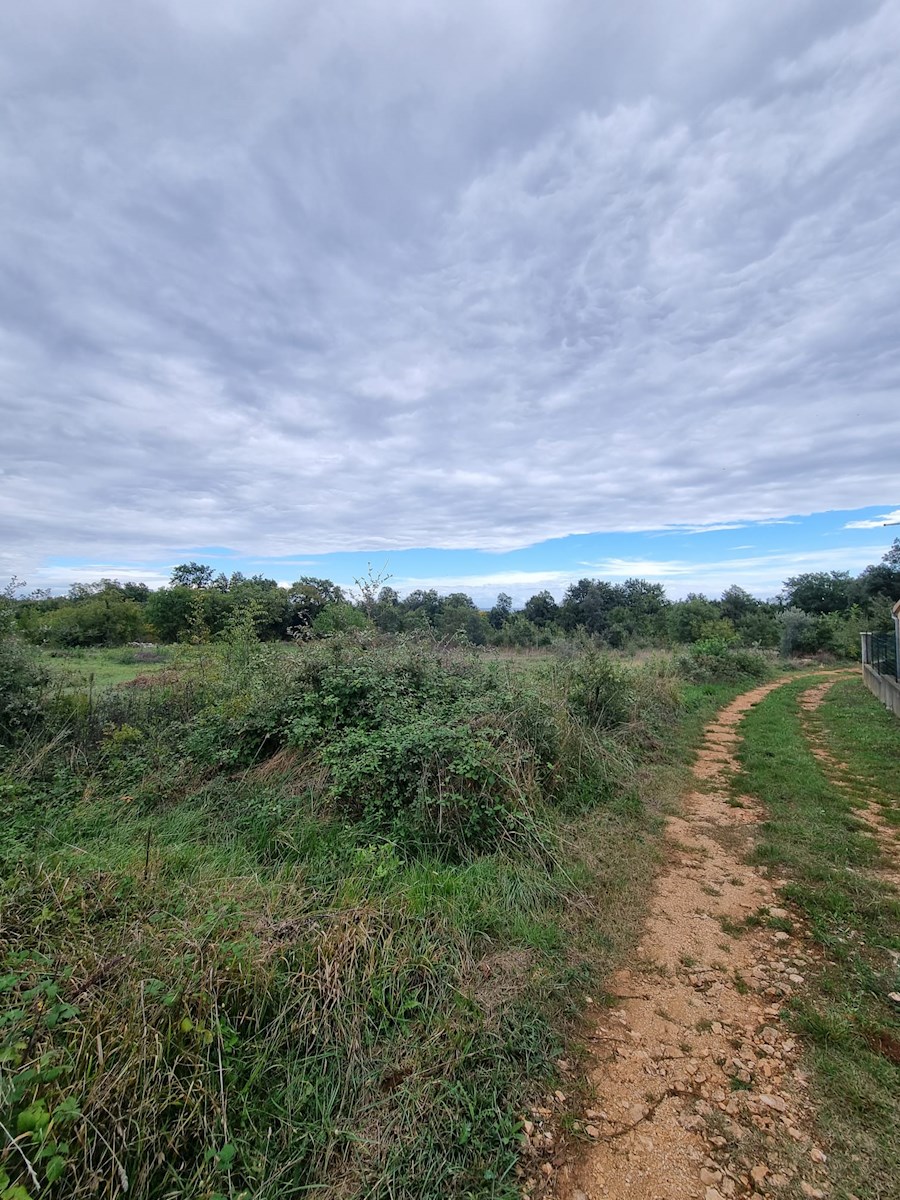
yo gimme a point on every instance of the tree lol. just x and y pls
(541, 610)
(457, 611)
(192, 575)
(500, 613)
(883, 580)
(388, 614)
(105, 620)
(820, 591)
(308, 596)
(426, 606)
(736, 603)
(688, 617)
(136, 591)
(169, 611)
(588, 603)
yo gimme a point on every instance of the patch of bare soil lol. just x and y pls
(698, 1091)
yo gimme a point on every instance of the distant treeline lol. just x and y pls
(821, 611)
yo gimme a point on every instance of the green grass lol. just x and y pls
(95, 669)
(813, 839)
(866, 737)
(229, 972)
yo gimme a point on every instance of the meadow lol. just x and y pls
(320, 919)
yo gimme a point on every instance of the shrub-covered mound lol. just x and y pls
(717, 660)
(282, 923)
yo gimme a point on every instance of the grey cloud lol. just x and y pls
(302, 278)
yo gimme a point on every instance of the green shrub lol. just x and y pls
(600, 693)
(22, 678)
(718, 661)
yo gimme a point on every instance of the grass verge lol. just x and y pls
(814, 840)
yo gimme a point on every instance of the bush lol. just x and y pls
(21, 677)
(799, 632)
(600, 693)
(719, 661)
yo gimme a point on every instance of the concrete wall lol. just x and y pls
(886, 689)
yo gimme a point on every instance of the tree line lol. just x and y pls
(820, 611)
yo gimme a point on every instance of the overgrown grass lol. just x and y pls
(814, 839)
(319, 923)
(95, 669)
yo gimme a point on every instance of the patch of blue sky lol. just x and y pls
(758, 556)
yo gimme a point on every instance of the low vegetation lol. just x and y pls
(317, 918)
(814, 838)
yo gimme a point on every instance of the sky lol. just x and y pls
(490, 295)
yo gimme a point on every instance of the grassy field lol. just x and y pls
(319, 922)
(815, 840)
(95, 669)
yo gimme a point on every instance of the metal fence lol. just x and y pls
(879, 651)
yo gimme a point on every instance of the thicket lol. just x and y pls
(277, 922)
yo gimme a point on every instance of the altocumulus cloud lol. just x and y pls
(305, 277)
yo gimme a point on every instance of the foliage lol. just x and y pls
(718, 660)
(819, 591)
(799, 632)
(198, 606)
(311, 918)
(21, 676)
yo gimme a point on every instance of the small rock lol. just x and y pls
(713, 1194)
(781, 936)
(775, 1102)
(560, 1097)
(528, 1126)
(592, 1131)
(781, 914)
(636, 1113)
(547, 1169)
(814, 1193)
(710, 1178)
(817, 1155)
(579, 1196)
(759, 1172)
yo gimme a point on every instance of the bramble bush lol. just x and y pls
(716, 660)
(22, 678)
(248, 901)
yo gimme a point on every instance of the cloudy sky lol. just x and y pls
(497, 294)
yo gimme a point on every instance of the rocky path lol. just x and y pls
(698, 1089)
